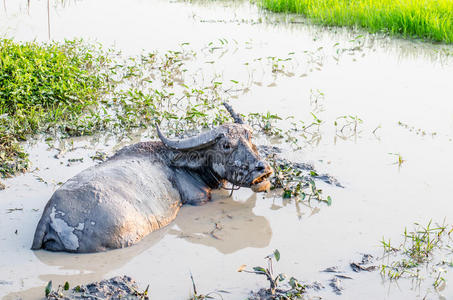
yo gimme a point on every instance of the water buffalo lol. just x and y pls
(141, 188)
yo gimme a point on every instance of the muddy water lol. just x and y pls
(332, 73)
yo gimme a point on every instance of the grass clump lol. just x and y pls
(47, 83)
(42, 85)
(424, 253)
(426, 19)
(50, 77)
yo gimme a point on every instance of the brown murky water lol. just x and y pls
(332, 73)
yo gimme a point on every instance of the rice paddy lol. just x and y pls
(425, 19)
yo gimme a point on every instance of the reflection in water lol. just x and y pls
(85, 268)
(305, 209)
(94, 266)
(224, 224)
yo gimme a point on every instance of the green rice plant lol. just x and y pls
(426, 19)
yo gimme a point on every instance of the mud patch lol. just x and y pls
(113, 288)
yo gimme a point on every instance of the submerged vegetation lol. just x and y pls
(298, 180)
(75, 88)
(211, 295)
(425, 19)
(280, 287)
(424, 253)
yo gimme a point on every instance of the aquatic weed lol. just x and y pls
(294, 289)
(109, 92)
(296, 182)
(211, 295)
(419, 254)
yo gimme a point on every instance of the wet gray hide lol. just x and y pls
(140, 189)
(108, 206)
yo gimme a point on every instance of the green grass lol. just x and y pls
(42, 84)
(46, 77)
(426, 19)
(424, 254)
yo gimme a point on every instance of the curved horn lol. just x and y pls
(237, 118)
(193, 143)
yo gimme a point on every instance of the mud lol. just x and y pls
(119, 287)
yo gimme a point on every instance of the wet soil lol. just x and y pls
(119, 287)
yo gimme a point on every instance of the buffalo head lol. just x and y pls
(227, 152)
